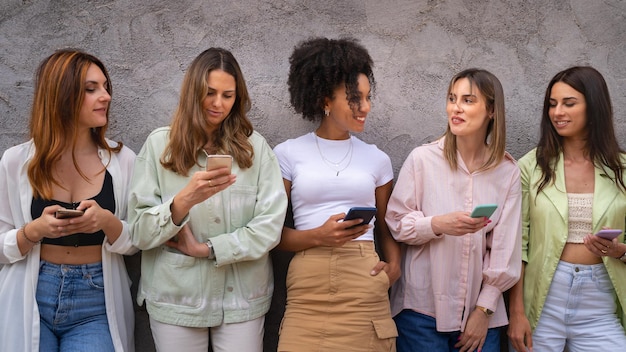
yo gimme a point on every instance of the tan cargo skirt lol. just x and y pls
(334, 304)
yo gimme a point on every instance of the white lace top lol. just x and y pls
(580, 215)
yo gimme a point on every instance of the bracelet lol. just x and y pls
(23, 230)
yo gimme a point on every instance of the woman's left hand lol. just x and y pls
(392, 271)
(93, 219)
(473, 338)
(187, 244)
(603, 247)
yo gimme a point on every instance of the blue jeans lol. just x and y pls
(418, 332)
(71, 308)
(579, 312)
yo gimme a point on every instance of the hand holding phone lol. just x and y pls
(216, 161)
(609, 234)
(365, 213)
(483, 210)
(67, 213)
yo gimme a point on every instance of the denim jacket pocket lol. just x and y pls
(180, 281)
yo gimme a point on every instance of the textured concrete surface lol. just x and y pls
(417, 46)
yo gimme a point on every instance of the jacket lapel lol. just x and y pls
(604, 194)
(556, 192)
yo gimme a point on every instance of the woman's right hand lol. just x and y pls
(520, 333)
(47, 225)
(457, 223)
(201, 186)
(335, 232)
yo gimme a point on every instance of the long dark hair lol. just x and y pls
(601, 143)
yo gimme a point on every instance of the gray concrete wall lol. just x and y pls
(417, 46)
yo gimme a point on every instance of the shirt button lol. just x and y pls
(230, 289)
(217, 220)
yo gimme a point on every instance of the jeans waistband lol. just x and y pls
(581, 269)
(69, 269)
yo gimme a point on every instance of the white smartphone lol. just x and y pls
(216, 161)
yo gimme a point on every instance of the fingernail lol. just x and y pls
(489, 222)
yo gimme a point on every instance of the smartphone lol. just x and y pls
(485, 210)
(609, 234)
(67, 213)
(365, 213)
(216, 161)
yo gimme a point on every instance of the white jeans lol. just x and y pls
(245, 336)
(580, 312)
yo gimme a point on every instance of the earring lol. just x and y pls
(326, 112)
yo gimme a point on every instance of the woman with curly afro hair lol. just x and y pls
(336, 285)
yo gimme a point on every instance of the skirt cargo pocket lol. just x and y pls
(386, 332)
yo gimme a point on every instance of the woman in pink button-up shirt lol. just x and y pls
(456, 267)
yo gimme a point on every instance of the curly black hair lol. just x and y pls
(319, 65)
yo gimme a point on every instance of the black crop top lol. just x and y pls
(106, 200)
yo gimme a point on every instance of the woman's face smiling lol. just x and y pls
(467, 110)
(568, 111)
(350, 117)
(220, 98)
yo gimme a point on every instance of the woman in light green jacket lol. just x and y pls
(206, 232)
(573, 290)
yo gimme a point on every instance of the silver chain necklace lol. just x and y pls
(335, 166)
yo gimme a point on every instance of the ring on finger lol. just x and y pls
(604, 251)
(210, 185)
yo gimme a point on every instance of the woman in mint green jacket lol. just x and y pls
(573, 289)
(205, 232)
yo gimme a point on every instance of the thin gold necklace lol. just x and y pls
(335, 166)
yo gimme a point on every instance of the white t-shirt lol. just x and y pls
(319, 188)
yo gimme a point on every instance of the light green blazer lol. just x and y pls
(545, 229)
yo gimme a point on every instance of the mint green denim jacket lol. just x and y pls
(545, 228)
(243, 223)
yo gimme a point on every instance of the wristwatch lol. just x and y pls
(488, 312)
(211, 253)
(623, 257)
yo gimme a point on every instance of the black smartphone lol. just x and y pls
(67, 213)
(365, 213)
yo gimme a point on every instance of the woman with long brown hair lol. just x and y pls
(572, 294)
(63, 285)
(206, 232)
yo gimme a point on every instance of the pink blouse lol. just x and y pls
(447, 276)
